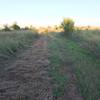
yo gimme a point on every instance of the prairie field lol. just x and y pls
(63, 67)
(49, 50)
(81, 52)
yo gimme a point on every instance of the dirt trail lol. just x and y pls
(28, 78)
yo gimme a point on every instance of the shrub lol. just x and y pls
(67, 25)
(15, 26)
(26, 28)
(6, 28)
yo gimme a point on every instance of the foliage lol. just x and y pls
(59, 79)
(85, 66)
(26, 28)
(6, 28)
(15, 26)
(68, 25)
(12, 42)
(89, 39)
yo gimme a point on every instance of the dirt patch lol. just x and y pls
(28, 78)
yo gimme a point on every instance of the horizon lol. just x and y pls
(47, 13)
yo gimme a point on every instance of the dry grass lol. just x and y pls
(13, 41)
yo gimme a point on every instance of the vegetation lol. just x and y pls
(12, 42)
(84, 64)
(81, 50)
(27, 28)
(68, 25)
(15, 26)
(6, 28)
(88, 39)
(59, 79)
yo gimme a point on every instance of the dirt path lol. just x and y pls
(27, 78)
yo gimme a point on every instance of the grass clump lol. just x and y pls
(88, 39)
(12, 42)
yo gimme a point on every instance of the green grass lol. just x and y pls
(12, 42)
(89, 39)
(85, 65)
(59, 79)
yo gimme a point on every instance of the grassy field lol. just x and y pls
(13, 41)
(84, 63)
(80, 51)
(88, 39)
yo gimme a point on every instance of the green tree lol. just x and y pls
(15, 26)
(68, 25)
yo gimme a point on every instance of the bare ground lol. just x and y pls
(28, 78)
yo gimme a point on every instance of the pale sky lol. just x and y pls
(49, 12)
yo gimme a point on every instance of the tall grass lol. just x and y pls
(12, 42)
(85, 66)
(88, 39)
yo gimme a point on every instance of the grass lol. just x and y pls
(88, 39)
(12, 42)
(59, 78)
(81, 49)
(86, 66)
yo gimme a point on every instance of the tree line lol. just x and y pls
(67, 25)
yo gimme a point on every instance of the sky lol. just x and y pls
(49, 12)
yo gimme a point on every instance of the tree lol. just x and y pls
(68, 25)
(15, 26)
(6, 28)
(26, 28)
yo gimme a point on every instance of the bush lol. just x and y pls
(6, 28)
(67, 25)
(26, 28)
(15, 26)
